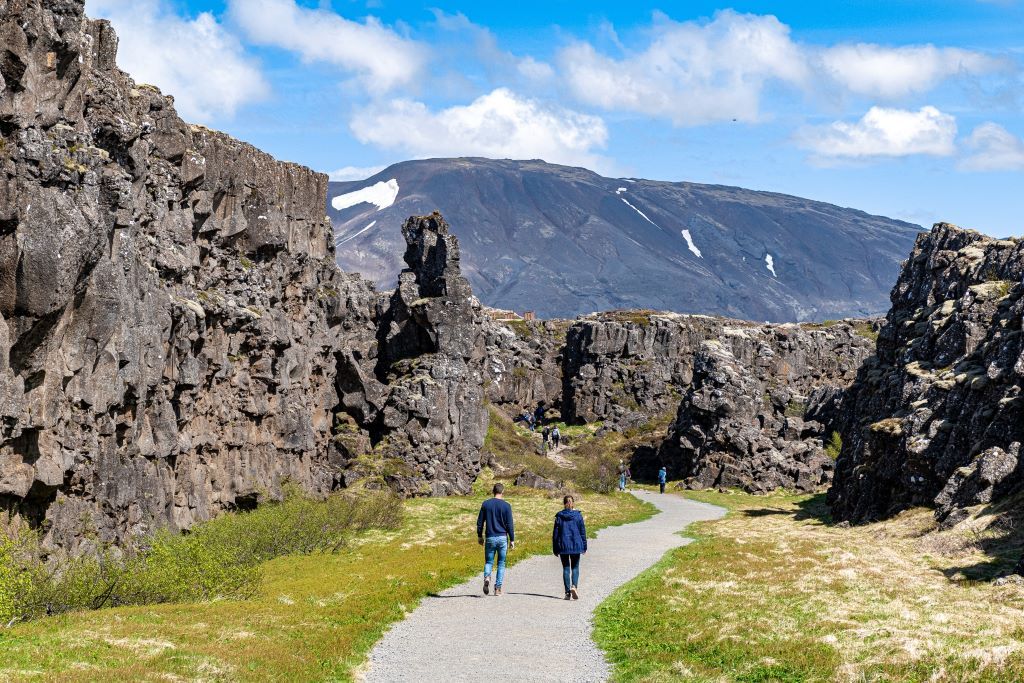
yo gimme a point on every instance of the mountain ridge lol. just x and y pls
(565, 241)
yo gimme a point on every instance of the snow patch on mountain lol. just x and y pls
(382, 195)
(620, 190)
(690, 245)
(769, 263)
(341, 240)
(639, 212)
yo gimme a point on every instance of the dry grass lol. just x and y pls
(774, 592)
(315, 617)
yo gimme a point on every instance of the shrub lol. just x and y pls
(221, 558)
(834, 446)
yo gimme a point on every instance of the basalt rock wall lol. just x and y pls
(524, 363)
(175, 338)
(935, 417)
(761, 404)
(625, 367)
(421, 407)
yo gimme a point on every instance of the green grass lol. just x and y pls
(775, 592)
(314, 617)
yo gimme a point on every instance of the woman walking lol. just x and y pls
(569, 542)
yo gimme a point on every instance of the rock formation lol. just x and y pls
(524, 363)
(935, 417)
(424, 408)
(175, 338)
(759, 407)
(628, 365)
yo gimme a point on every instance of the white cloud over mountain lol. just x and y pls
(498, 124)
(883, 132)
(196, 60)
(993, 148)
(690, 72)
(381, 58)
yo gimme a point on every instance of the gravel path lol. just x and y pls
(530, 633)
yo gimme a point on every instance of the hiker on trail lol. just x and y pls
(538, 414)
(622, 476)
(546, 433)
(569, 542)
(499, 537)
(662, 478)
(529, 421)
(556, 436)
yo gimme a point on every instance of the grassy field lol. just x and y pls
(775, 592)
(315, 617)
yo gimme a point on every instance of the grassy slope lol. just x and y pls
(316, 616)
(775, 593)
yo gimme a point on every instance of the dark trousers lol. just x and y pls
(661, 485)
(570, 570)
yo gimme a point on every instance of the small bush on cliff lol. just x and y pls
(834, 446)
(218, 559)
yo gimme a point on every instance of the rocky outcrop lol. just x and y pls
(759, 407)
(524, 363)
(423, 408)
(935, 417)
(175, 338)
(169, 300)
(620, 365)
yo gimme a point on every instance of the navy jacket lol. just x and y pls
(569, 536)
(662, 475)
(497, 515)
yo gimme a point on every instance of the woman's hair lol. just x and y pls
(567, 500)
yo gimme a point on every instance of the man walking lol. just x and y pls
(499, 537)
(556, 436)
(662, 478)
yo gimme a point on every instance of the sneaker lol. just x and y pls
(568, 595)
(575, 595)
(487, 586)
(497, 591)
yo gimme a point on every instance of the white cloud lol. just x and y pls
(499, 124)
(694, 73)
(884, 132)
(355, 172)
(382, 58)
(196, 60)
(535, 70)
(993, 148)
(691, 73)
(893, 72)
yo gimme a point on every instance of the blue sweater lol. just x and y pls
(569, 537)
(497, 514)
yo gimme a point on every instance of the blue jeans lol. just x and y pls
(499, 545)
(570, 570)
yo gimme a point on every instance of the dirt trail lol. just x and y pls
(530, 633)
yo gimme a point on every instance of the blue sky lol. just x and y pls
(911, 109)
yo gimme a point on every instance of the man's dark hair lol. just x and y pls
(567, 499)
(498, 489)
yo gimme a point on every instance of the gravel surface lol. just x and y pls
(530, 633)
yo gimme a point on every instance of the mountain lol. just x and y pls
(564, 241)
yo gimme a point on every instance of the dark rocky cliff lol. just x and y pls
(935, 417)
(422, 407)
(753, 403)
(762, 405)
(175, 337)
